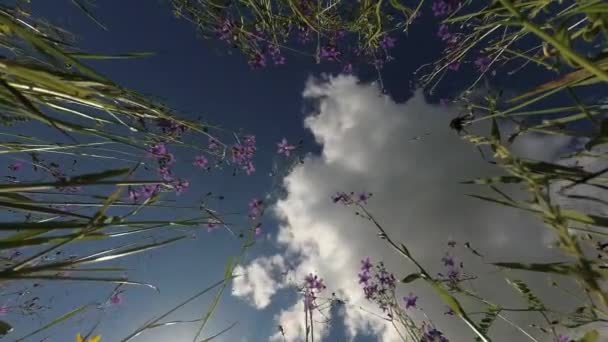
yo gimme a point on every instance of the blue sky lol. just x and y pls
(201, 79)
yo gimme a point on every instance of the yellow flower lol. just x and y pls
(97, 338)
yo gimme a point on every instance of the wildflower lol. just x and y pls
(330, 53)
(226, 30)
(170, 126)
(181, 185)
(348, 68)
(562, 338)
(214, 144)
(16, 166)
(255, 208)
(454, 66)
(167, 159)
(116, 299)
(96, 338)
(258, 230)
(149, 190)
(343, 198)
(410, 301)
(257, 60)
(363, 197)
(448, 260)
(249, 168)
(366, 265)
(4, 310)
(275, 54)
(483, 63)
(165, 173)
(304, 35)
(434, 335)
(249, 140)
(444, 7)
(285, 148)
(133, 194)
(387, 42)
(364, 277)
(444, 32)
(313, 282)
(158, 150)
(200, 161)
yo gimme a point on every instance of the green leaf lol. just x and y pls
(534, 302)
(556, 267)
(590, 336)
(495, 132)
(128, 55)
(494, 180)
(94, 177)
(5, 328)
(489, 318)
(410, 278)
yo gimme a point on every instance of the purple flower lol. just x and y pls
(249, 168)
(200, 161)
(348, 68)
(4, 310)
(444, 32)
(330, 53)
(366, 265)
(133, 194)
(363, 197)
(249, 140)
(387, 42)
(213, 144)
(454, 66)
(158, 150)
(181, 185)
(148, 191)
(165, 173)
(255, 208)
(410, 301)
(453, 274)
(285, 148)
(364, 277)
(257, 231)
(562, 338)
(257, 60)
(444, 7)
(116, 299)
(434, 335)
(448, 260)
(343, 198)
(483, 63)
(314, 283)
(16, 166)
(226, 30)
(170, 126)
(275, 54)
(304, 35)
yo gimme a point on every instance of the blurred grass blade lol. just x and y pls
(56, 321)
(88, 13)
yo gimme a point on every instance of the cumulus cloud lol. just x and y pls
(256, 281)
(405, 154)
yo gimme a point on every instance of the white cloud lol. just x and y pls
(369, 144)
(256, 280)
